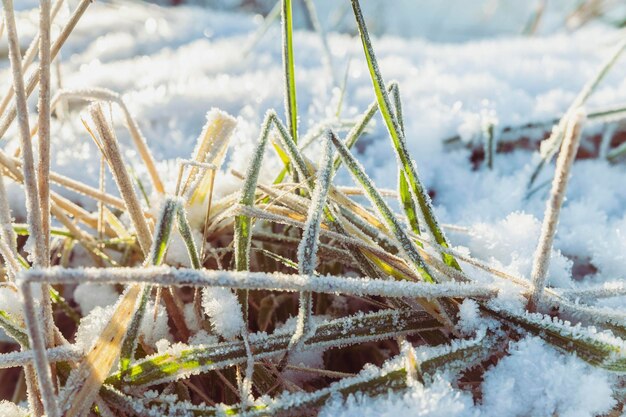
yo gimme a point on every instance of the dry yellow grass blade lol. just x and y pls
(211, 148)
(85, 381)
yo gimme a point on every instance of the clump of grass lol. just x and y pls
(266, 242)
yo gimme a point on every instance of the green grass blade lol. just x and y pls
(395, 131)
(291, 106)
(162, 233)
(180, 364)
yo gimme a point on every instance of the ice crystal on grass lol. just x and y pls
(224, 311)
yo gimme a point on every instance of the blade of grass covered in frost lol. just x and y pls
(112, 152)
(33, 80)
(162, 232)
(600, 349)
(398, 139)
(169, 276)
(550, 146)
(490, 144)
(361, 328)
(307, 249)
(443, 310)
(565, 160)
(291, 106)
(37, 340)
(357, 131)
(40, 328)
(392, 376)
(43, 167)
(606, 290)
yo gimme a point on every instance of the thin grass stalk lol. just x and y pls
(307, 249)
(357, 130)
(39, 336)
(172, 366)
(43, 168)
(30, 182)
(565, 160)
(37, 341)
(9, 116)
(121, 176)
(291, 106)
(397, 137)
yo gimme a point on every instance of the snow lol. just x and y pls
(8, 409)
(458, 67)
(440, 399)
(11, 303)
(520, 386)
(224, 311)
(89, 296)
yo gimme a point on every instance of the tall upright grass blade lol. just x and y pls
(291, 105)
(397, 138)
(162, 232)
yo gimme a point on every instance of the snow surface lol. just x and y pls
(173, 65)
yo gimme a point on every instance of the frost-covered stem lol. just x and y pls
(564, 163)
(30, 184)
(37, 342)
(307, 249)
(32, 391)
(28, 165)
(185, 232)
(43, 168)
(242, 223)
(10, 260)
(33, 80)
(122, 178)
(181, 277)
(291, 107)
